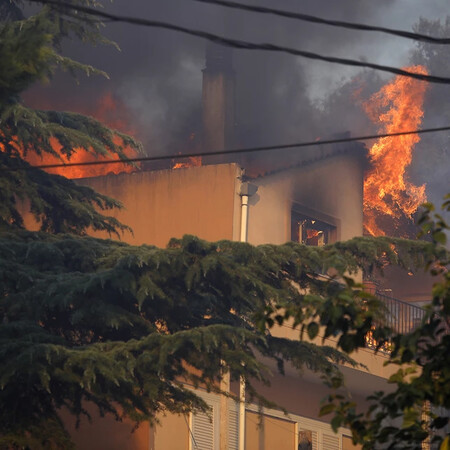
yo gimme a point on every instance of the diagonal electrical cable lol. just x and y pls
(333, 23)
(234, 151)
(243, 44)
(190, 432)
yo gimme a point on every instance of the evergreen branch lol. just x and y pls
(85, 319)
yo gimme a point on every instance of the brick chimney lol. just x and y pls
(218, 100)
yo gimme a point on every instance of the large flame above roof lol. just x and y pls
(398, 106)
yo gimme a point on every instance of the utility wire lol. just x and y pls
(243, 44)
(235, 151)
(190, 432)
(333, 23)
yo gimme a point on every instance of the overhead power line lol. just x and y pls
(243, 44)
(237, 150)
(333, 23)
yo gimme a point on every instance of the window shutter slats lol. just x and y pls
(233, 430)
(203, 431)
(330, 442)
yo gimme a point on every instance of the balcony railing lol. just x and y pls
(402, 317)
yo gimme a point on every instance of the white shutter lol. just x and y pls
(233, 429)
(203, 432)
(330, 442)
(315, 441)
(206, 428)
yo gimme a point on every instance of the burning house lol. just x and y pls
(315, 198)
(216, 202)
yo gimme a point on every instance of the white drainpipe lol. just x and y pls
(244, 217)
(247, 190)
(241, 414)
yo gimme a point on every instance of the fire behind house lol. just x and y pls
(390, 198)
(156, 77)
(294, 188)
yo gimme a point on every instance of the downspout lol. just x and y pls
(241, 428)
(244, 217)
(246, 191)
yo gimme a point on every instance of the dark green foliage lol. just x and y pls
(418, 407)
(84, 319)
(57, 203)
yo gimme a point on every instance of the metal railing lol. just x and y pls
(402, 317)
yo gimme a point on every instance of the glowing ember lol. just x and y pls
(108, 111)
(190, 161)
(194, 161)
(387, 192)
(371, 342)
(310, 234)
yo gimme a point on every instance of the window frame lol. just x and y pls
(300, 211)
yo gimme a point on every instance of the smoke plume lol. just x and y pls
(279, 99)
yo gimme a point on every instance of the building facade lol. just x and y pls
(316, 202)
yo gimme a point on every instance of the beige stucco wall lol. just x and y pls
(163, 204)
(204, 201)
(267, 433)
(347, 444)
(105, 433)
(332, 187)
(172, 433)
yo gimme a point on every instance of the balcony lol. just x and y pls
(402, 317)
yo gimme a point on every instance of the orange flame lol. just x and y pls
(310, 233)
(109, 111)
(81, 155)
(387, 191)
(192, 161)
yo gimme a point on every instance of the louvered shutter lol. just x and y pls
(205, 428)
(315, 441)
(330, 442)
(203, 432)
(233, 429)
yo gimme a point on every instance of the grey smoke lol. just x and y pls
(279, 99)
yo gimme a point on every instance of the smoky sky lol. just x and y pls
(157, 74)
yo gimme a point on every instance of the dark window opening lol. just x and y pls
(305, 440)
(309, 231)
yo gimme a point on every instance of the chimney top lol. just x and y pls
(218, 58)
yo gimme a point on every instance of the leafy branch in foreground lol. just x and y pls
(130, 328)
(417, 410)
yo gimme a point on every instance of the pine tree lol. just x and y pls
(85, 319)
(29, 53)
(99, 321)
